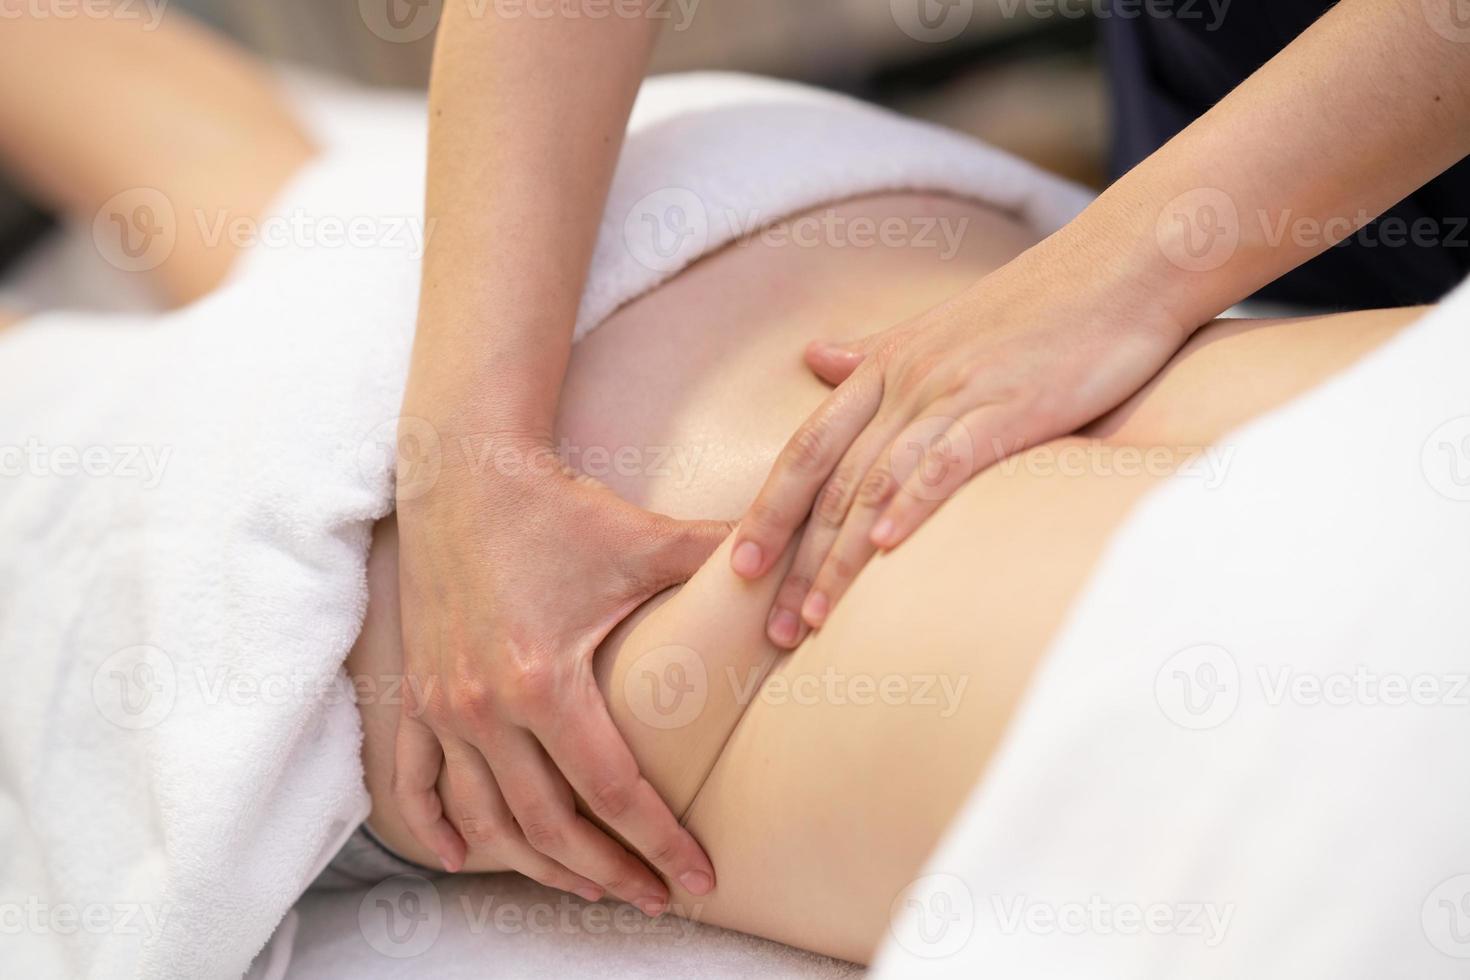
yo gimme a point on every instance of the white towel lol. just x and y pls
(184, 542)
(1245, 753)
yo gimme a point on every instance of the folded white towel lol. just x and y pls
(184, 542)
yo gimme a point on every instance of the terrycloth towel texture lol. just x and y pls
(187, 502)
(1245, 754)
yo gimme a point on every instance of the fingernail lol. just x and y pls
(449, 865)
(883, 532)
(696, 882)
(784, 626)
(814, 610)
(590, 894)
(747, 559)
(651, 907)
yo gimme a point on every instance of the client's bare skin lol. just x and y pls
(819, 780)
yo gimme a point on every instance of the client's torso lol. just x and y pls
(681, 401)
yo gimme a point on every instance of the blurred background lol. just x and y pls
(1021, 74)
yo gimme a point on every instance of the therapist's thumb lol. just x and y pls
(833, 361)
(681, 547)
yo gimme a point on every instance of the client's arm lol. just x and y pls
(157, 133)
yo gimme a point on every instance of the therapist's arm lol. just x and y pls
(1367, 106)
(512, 571)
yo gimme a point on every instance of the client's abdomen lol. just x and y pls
(680, 402)
(818, 781)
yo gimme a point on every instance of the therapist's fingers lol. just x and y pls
(542, 804)
(479, 811)
(835, 362)
(907, 445)
(966, 446)
(787, 624)
(803, 467)
(601, 768)
(853, 548)
(417, 754)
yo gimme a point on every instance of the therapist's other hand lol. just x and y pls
(1029, 353)
(508, 584)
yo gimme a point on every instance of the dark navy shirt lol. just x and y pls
(1167, 70)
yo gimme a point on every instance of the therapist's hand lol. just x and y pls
(1363, 108)
(509, 581)
(1033, 351)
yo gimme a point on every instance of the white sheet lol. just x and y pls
(494, 926)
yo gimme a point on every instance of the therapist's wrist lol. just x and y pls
(1187, 255)
(1104, 264)
(469, 386)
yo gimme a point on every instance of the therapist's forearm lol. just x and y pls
(1367, 106)
(527, 120)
